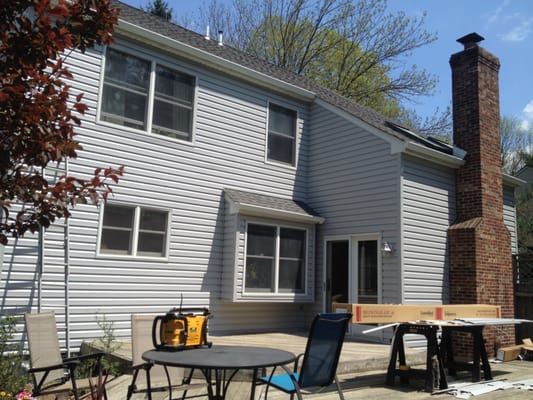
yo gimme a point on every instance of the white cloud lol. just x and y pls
(528, 109)
(528, 113)
(496, 14)
(514, 25)
(518, 33)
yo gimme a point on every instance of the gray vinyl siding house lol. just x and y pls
(353, 185)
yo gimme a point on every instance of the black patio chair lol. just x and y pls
(320, 360)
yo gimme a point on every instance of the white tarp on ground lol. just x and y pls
(467, 390)
(475, 389)
(526, 384)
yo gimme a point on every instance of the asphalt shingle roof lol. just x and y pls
(269, 202)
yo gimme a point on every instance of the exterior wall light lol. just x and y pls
(386, 248)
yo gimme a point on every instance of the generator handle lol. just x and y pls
(184, 310)
(156, 342)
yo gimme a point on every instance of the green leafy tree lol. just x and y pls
(356, 48)
(159, 8)
(38, 113)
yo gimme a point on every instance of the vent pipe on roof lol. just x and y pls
(207, 37)
(220, 42)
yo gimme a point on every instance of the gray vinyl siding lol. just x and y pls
(428, 208)
(231, 238)
(509, 215)
(186, 178)
(353, 184)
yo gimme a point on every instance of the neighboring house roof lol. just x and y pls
(525, 173)
(263, 205)
(179, 34)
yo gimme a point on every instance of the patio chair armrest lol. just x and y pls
(98, 355)
(297, 361)
(64, 364)
(144, 365)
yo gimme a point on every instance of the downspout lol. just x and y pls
(40, 262)
(66, 242)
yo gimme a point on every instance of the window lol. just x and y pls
(281, 134)
(275, 259)
(129, 96)
(134, 231)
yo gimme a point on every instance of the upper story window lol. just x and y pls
(275, 259)
(281, 134)
(144, 95)
(134, 231)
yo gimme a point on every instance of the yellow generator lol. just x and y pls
(181, 328)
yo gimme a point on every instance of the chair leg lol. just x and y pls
(186, 381)
(131, 387)
(148, 383)
(341, 395)
(72, 373)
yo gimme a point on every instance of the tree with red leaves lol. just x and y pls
(37, 112)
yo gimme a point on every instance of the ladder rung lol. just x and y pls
(53, 283)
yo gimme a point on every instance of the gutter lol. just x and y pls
(399, 143)
(513, 180)
(421, 151)
(259, 211)
(212, 61)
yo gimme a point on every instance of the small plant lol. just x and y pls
(13, 377)
(97, 389)
(109, 345)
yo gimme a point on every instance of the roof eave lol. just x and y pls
(438, 157)
(213, 61)
(399, 144)
(513, 180)
(258, 211)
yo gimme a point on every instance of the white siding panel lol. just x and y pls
(428, 199)
(509, 215)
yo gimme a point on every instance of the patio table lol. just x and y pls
(220, 364)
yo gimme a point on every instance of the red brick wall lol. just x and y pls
(480, 257)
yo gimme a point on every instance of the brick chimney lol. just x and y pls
(480, 255)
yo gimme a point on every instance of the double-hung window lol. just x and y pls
(281, 144)
(134, 231)
(145, 95)
(275, 259)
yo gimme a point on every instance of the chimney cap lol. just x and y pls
(470, 40)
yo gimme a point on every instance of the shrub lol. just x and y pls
(13, 376)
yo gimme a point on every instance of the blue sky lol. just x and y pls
(506, 25)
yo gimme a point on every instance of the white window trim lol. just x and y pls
(296, 135)
(137, 214)
(276, 294)
(151, 94)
